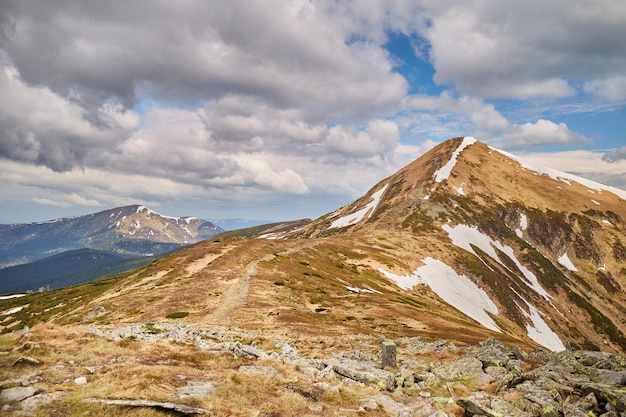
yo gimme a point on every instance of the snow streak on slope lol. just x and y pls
(356, 217)
(539, 331)
(465, 236)
(457, 290)
(565, 177)
(444, 172)
(567, 263)
(523, 220)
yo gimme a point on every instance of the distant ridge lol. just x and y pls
(133, 229)
(66, 269)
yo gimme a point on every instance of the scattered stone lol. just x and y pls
(16, 394)
(384, 402)
(81, 380)
(309, 394)
(28, 346)
(26, 360)
(34, 403)
(363, 373)
(92, 369)
(23, 381)
(473, 408)
(325, 386)
(464, 367)
(288, 352)
(519, 354)
(181, 408)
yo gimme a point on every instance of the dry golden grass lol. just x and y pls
(132, 369)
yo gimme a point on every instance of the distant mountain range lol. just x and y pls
(234, 224)
(132, 230)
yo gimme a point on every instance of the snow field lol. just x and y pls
(465, 236)
(457, 290)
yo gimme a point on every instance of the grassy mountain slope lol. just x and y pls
(463, 243)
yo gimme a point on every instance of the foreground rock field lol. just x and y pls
(158, 369)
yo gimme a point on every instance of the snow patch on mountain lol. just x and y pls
(406, 282)
(566, 262)
(13, 310)
(444, 172)
(455, 289)
(362, 290)
(539, 331)
(356, 217)
(8, 297)
(465, 236)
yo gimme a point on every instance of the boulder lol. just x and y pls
(363, 373)
(383, 402)
(34, 403)
(16, 394)
(26, 360)
(462, 368)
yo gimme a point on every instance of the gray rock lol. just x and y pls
(260, 370)
(519, 354)
(611, 377)
(26, 360)
(24, 380)
(16, 394)
(364, 373)
(81, 380)
(497, 372)
(249, 351)
(581, 408)
(288, 352)
(465, 367)
(325, 386)
(614, 396)
(181, 408)
(384, 402)
(34, 403)
(405, 379)
(507, 409)
(473, 408)
(28, 346)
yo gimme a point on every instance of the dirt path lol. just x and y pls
(237, 294)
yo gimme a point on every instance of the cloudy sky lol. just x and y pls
(275, 109)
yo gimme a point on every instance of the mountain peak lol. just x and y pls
(132, 229)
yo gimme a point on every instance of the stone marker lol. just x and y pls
(389, 354)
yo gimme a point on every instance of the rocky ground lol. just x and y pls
(286, 374)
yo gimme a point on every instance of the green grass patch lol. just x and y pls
(177, 315)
